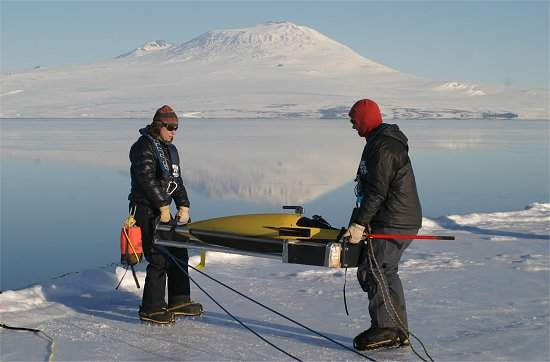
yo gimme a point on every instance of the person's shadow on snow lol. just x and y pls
(93, 292)
(271, 329)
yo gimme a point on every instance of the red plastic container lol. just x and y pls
(131, 250)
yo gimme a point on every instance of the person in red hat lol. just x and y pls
(387, 203)
(156, 182)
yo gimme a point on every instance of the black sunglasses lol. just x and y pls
(170, 126)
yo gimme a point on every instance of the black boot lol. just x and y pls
(186, 308)
(161, 316)
(376, 337)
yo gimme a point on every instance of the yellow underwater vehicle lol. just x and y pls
(290, 237)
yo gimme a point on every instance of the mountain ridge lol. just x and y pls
(270, 70)
(275, 40)
(147, 48)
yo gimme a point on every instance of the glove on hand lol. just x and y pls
(165, 214)
(183, 215)
(354, 233)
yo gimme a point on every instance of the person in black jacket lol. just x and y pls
(388, 203)
(156, 181)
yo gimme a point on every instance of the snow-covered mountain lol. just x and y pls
(271, 70)
(273, 43)
(147, 48)
(276, 43)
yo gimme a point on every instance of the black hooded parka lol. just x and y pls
(386, 183)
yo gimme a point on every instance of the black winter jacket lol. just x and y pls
(386, 182)
(149, 183)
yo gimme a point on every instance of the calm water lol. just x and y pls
(58, 218)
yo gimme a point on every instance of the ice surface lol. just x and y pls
(467, 300)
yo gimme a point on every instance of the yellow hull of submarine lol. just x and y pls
(274, 226)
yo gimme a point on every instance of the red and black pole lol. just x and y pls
(403, 236)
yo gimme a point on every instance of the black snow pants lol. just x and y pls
(160, 267)
(385, 286)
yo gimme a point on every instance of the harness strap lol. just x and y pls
(161, 156)
(168, 172)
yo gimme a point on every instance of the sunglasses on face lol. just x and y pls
(170, 126)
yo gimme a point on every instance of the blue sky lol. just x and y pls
(498, 42)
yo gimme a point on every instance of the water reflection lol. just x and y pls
(62, 217)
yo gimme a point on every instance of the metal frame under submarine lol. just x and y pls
(292, 238)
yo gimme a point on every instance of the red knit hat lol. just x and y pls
(366, 116)
(165, 114)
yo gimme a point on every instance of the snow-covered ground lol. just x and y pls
(482, 297)
(271, 70)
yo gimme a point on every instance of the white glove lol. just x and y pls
(165, 214)
(183, 215)
(354, 234)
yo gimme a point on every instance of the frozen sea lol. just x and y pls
(483, 297)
